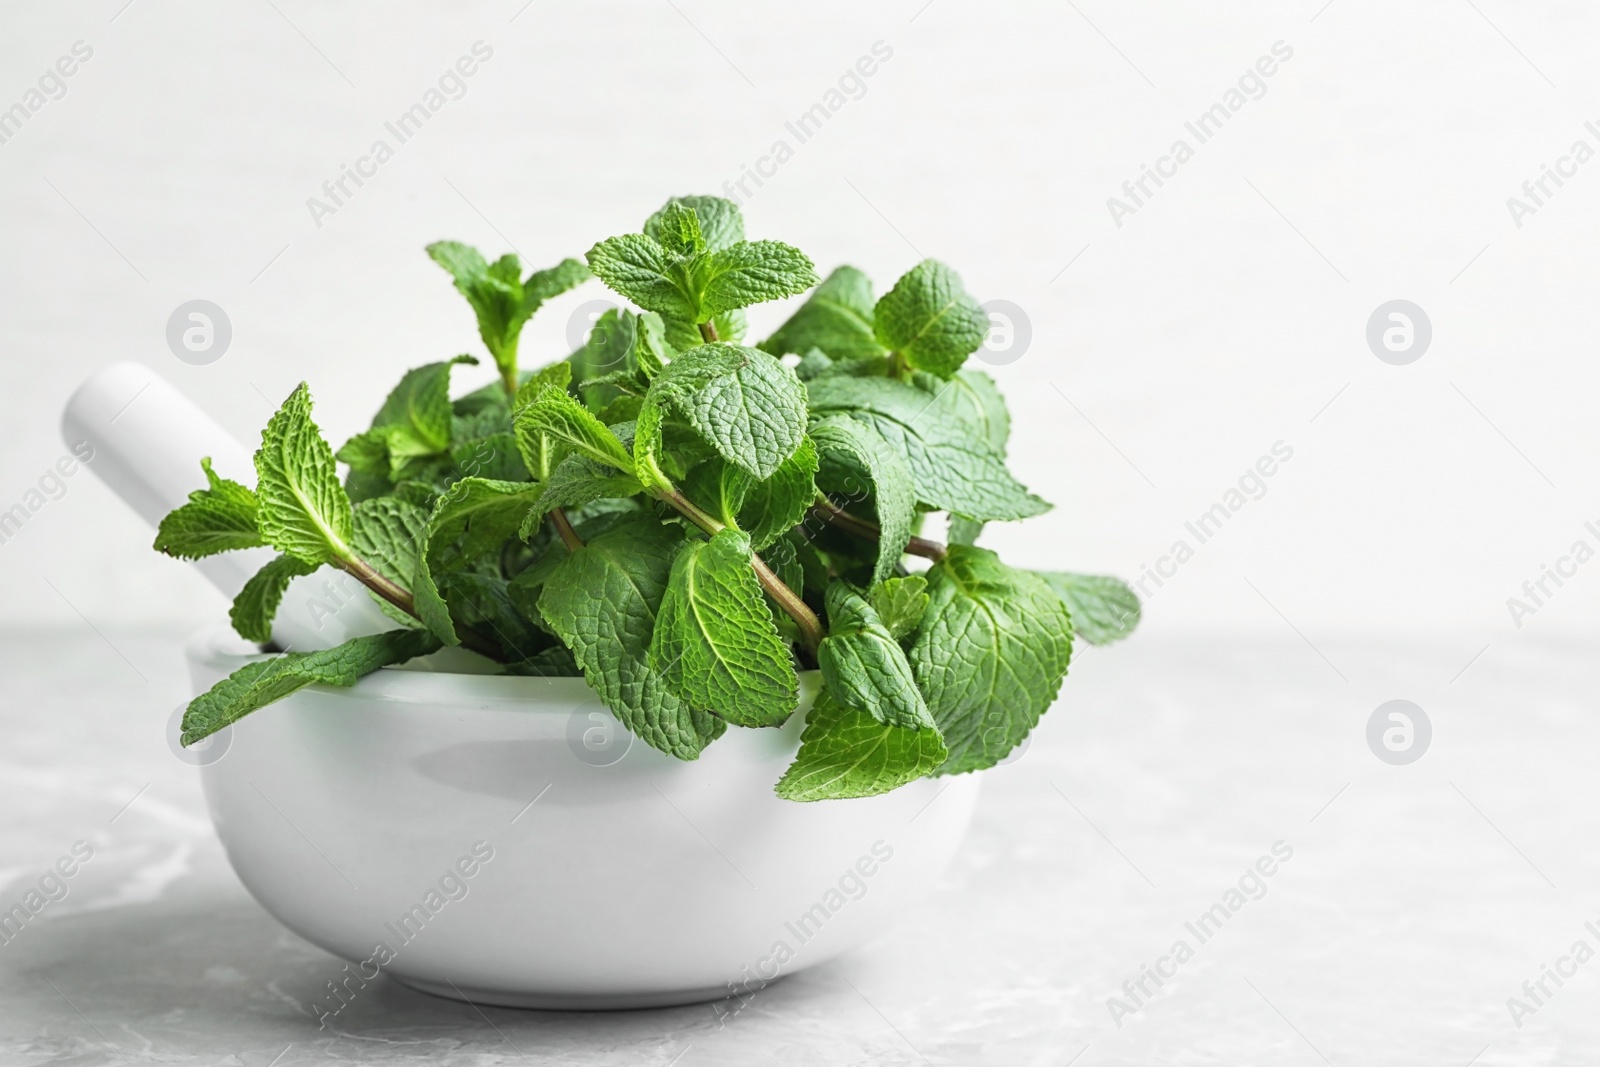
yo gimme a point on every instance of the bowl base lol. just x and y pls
(669, 998)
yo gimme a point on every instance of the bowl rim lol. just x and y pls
(219, 649)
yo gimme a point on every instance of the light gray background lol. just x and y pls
(1167, 356)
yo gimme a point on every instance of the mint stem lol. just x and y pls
(708, 332)
(507, 362)
(810, 626)
(834, 515)
(569, 536)
(363, 572)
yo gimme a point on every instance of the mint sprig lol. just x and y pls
(673, 267)
(501, 298)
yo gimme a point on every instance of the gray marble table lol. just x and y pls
(1416, 903)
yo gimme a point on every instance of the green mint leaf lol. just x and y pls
(607, 387)
(813, 568)
(421, 494)
(951, 467)
(363, 485)
(557, 424)
(541, 451)
(621, 409)
(469, 522)
(557, 375)
(389, 534)
(764, 509)
(225, 488)
(490, 397)
(814, 364)
(257, 603)
(472, 519)
(255, 685)
(216, 519)
(606, 348)
(720, 222)
(484, 602)
(864, 665)
(621, 355)
(742, 401)
(751, 272)
(481, 423)
(415, 420)
(525, 588)
(508, 269)
(608, 362)
(990, 656)
(1103, 609)
(554, 662)
(836, 320)
(901, 603)
(677, 228)
(651, 350)
(929, 319)
(602, 602)
(964, 531)
(718, 488)
(304, 511)
(367, 453)
(639, 268)
(417, 412)
(714, 640)
(852, 454)
(496, 457)
(495, 294)
(972, 397)
(438, 471)
(647, 454)
(771, 507)
(551, 282)
(848, 753)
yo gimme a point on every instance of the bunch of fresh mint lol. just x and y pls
(685, 520)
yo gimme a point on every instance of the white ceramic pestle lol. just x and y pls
(148, 440)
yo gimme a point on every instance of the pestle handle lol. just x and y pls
(148, 440)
